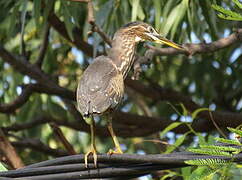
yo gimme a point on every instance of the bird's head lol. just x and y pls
(145, 32)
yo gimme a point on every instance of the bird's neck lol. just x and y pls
(123, 52)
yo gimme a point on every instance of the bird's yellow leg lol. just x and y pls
(92, 149)
(118, 149)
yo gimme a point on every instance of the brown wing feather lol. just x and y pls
(100, 88)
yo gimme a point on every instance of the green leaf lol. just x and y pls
(169, 5)
(179, 17)
(157, 6)
(169, 128)
(236, 131)
(23, 18)
(209, 16)
(169, 175)
(195, 113)
(67, 19)
(177, 144)
(55, 110)
(88, 120)
(2, 168)
(210, 152)
(228, 141)
(219, 148)
(232, 18)
(170, 20)
(227, 14)
(135, 6)
(141, 14)
(200, 162)
(28, 111)
(202, 173)
(12, 20)
(184, 110)
(186, 172)
(37, 9)
(238, 3)
(174, 18)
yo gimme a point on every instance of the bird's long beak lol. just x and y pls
(161, 40)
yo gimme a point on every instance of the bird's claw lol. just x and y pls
(116, 151)
(92, 151)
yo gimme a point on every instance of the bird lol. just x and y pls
(101, 87)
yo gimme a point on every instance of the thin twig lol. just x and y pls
(139, 101)
(104, 36)
(91, 21)
(62, 138)
(215, 124)
(95, 27)
(23, 18)
(44, 45)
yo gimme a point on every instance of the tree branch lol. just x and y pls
(125, 124)
(23, 66)
(18, 102)
(197, 48)
(9, 152)
(191, 48)
(37, 145)
(59, 134)
(44, 46)
(91, 20)
(59, 26)
(158, 93)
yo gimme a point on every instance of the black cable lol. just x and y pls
(125, 165)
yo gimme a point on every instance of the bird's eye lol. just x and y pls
(151, 30)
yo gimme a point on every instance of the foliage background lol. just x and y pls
(209, 80)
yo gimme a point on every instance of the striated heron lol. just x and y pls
(101, 87)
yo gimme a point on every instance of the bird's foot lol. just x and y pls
(92, 151)
(116, 151)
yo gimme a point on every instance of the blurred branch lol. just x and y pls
(24, 67)
(44, 45)
(59, 26)
(139, 101)
(126, 125)
(37, 145)
(157, 93)
(18, 102)
(54, 90)
(57, 131)
(9, 152)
